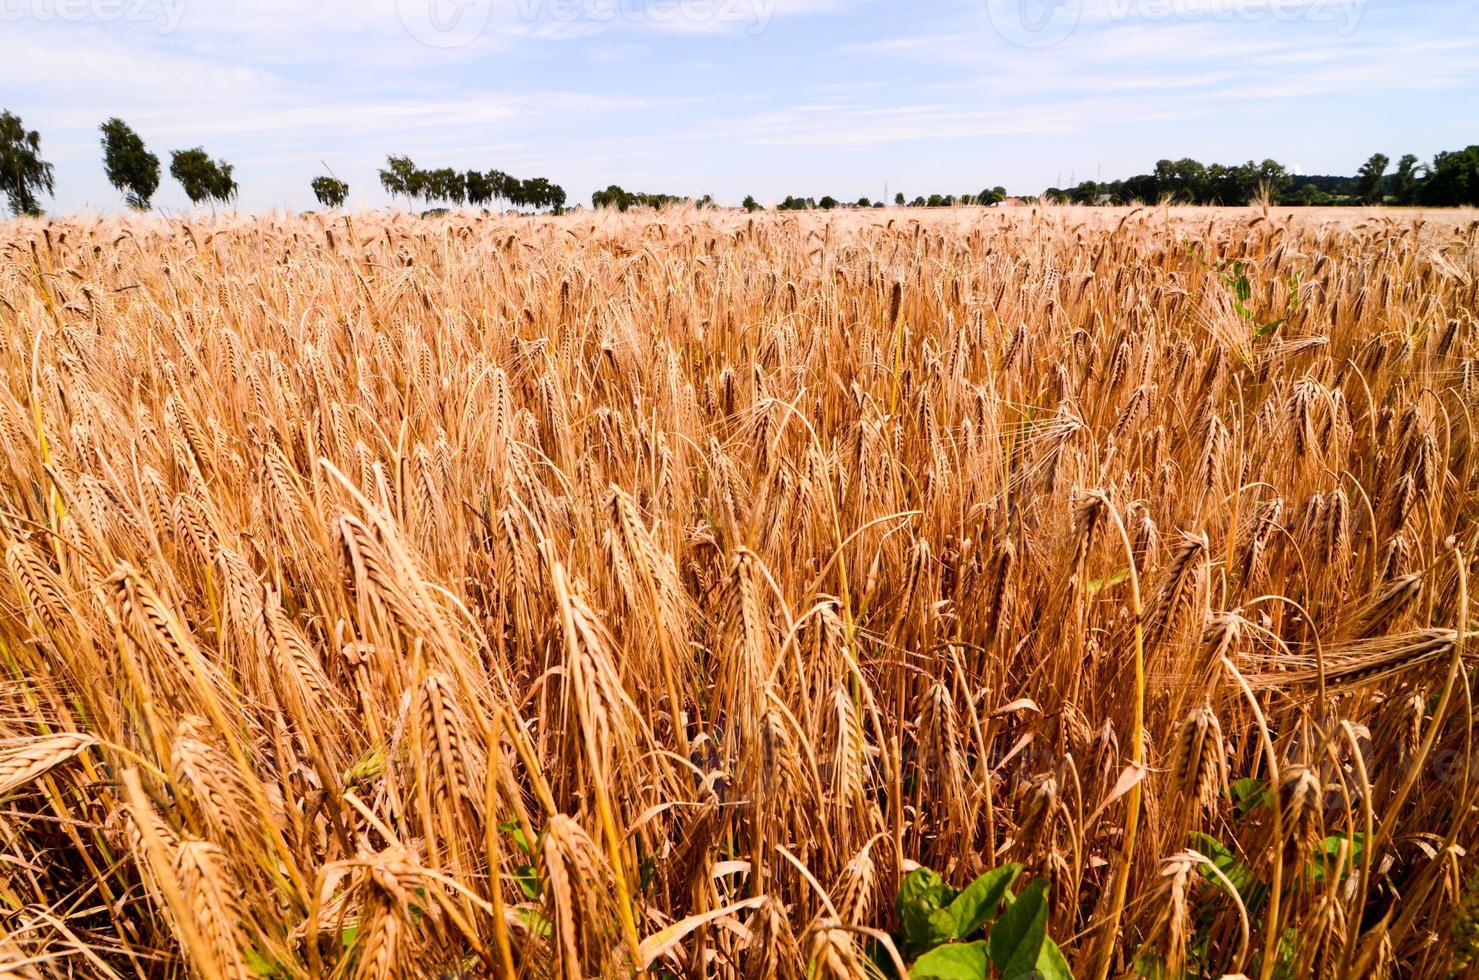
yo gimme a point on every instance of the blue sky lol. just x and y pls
(770, 97)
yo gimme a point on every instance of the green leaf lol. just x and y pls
(535, 921)
(1250, 794)
(1097, 585)
(922, 913)
(1017, 938)
(977, 905)
(528, 878)
(1250, 891)
(262, 965)
(1269, 328)
(1051, 964)
(513, 828)
(924, 885)
(1327, 856)
(953, 961)
(927, 928)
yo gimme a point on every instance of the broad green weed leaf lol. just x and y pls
(977, 905)
(953, 961)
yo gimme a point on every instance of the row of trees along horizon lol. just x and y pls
(1450, 180)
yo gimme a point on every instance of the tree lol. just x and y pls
(1368, 178)
(1274, 179)
(398, 176)
(1453, 180)
(1404, 181)
(22, 171)
(418, 185)
(204, 179)
(505, 188)
(899, 199)
(444, 185)
(612, 197)
(828, 202)
(535, 192)
(130, 167)
(1184, 180)
(751, 204)
(478, 186)
(330, 191)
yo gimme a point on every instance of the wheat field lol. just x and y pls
(599, 595)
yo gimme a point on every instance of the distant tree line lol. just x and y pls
(1451, 180)
(624, 200)
(135, 172)
(827, 203)
(447, 186)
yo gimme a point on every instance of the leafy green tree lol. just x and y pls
(204, 179)
(534, 192)
(899, 199)
(1224, 185)
(1368, 178)
(398, 176)
(828, 202)
(623, 200)
(1308, 195)
(1183, 180)
(1453, 180)
(863, 202)
(504, 187)
(751, 204)
(330, 191)
(1404, 181)
(1273, 179)
(444, 185)
(418, 185)
(478, 186)
(23, 174)
(130, 167)
(612, 197)
(1141, 187)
